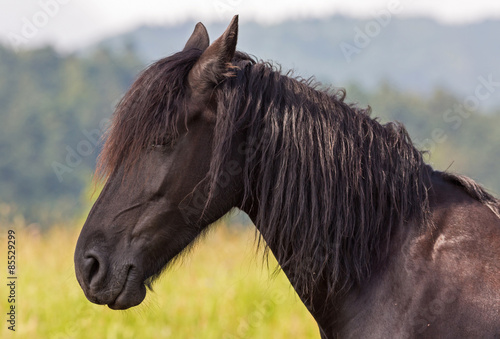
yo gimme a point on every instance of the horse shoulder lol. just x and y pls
(443, 281)
(457, 267)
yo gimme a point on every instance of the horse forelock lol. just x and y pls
(148, 114)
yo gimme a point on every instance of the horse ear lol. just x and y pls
(199, 39)
(215, 61)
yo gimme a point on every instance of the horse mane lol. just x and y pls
(330, 184)
(474, 190)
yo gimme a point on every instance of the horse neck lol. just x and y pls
(327, 186)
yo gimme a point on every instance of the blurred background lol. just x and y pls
(64, 64)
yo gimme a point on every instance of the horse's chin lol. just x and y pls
(132, 293)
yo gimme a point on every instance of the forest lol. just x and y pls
(55, 108)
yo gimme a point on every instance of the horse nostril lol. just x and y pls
(93, 266)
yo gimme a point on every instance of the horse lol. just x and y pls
(376, 242)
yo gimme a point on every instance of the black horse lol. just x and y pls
(375, 242)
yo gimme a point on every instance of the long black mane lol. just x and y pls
(330, 184)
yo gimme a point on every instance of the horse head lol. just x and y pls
(156, 160)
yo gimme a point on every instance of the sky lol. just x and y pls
(72, 24)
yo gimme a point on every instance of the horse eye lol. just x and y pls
(163, 146)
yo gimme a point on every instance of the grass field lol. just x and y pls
(220, 290)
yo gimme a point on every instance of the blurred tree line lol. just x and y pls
(49, 106)
(54, 108)
(457, 134)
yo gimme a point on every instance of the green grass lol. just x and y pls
(220, 290)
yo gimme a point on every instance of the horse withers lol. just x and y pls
(376, 243)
